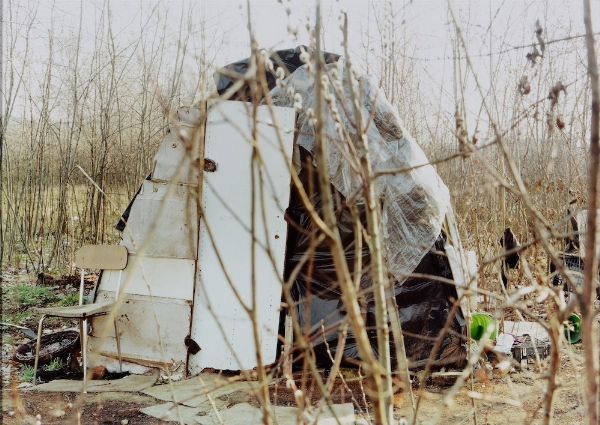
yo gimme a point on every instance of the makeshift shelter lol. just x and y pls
(181, 285)
(190, 244)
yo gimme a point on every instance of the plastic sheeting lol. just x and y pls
(414, 206)
(415, 201)
(423, 304)
(288, 60)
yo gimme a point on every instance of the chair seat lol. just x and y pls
(78, 311)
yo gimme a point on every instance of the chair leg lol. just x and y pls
(83, 335)
(118, 339)
(37, 348)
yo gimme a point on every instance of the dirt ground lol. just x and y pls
(64, 408)
(515, 398)
(524, 388)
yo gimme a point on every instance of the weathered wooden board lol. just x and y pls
(152, 330)
(172, 156)
(158, 283)
(164, 223)
(219, 324)
(157, 277)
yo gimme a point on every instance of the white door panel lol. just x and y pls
(225, 265)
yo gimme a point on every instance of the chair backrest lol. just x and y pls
(104, 257)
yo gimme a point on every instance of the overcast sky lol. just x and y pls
(425, 22)
(424, 26)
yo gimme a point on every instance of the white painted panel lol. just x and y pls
(219, 324)
(171, 157)
(188, 116)
(464, 271)
(166, 224)
(581, 219)
(152, 329)
(526, 328)
(456, 265)
(459, 274)
(158, 277)
(473, 268)
(172, 154)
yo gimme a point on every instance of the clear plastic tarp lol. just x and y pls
(414, 200)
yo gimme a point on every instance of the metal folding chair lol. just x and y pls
(103, 257)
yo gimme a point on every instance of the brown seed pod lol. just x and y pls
(524, 86)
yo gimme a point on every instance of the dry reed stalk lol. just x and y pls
(590, 339)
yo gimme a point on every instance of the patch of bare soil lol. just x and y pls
(516, 399)
(347, 391)
(64, 408)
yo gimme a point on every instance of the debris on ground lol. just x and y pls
(131, 383)
(198, 391)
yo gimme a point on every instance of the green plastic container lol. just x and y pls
(573, 328)
(479, 324)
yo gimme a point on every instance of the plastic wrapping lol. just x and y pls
(423, 304)
(289, 60)
(414, 206)
(415, 201)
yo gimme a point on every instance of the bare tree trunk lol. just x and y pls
(591, 267)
